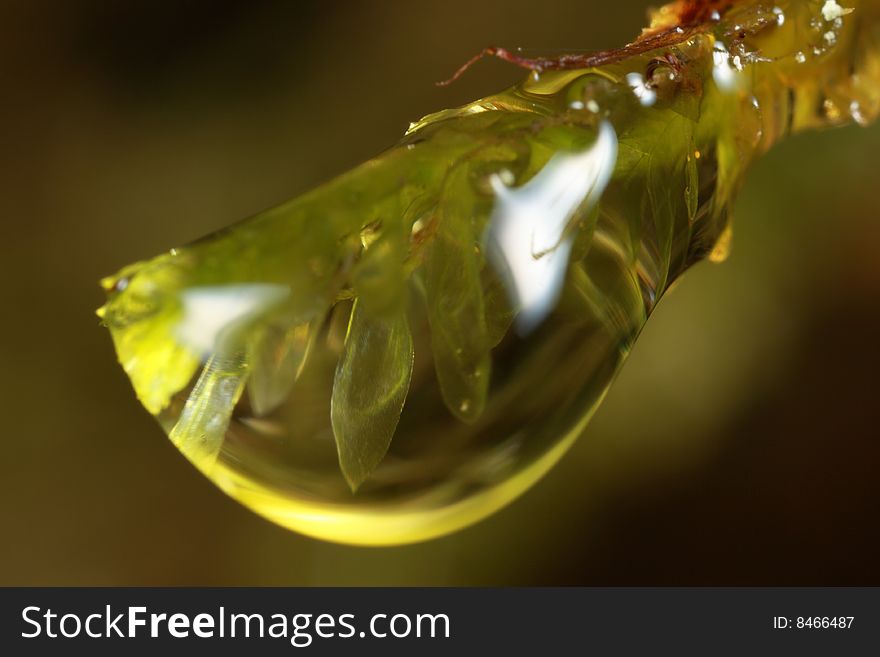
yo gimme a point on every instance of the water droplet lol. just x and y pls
(722, 71)
(780, 16)
(855, 111)
(418, 226)
(831, 110)
(832, 11)
(449, 453)
(370, 233)
(506, 177)
(642, 91)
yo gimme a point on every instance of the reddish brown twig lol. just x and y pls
(537, 64)
(567, 62)
(693, 16)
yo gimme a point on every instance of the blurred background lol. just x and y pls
(739, 445)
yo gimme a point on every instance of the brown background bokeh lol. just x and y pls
(739, 446)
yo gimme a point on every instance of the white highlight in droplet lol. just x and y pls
(780, 16)
(832, 10)
(209, 311)
(722, 71)
(643, 92)
(526, 237)
(855, 111)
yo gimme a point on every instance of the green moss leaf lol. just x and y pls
(276, 359)
(651, 192)
(157, 364)
(144, 326)
(201, 428)
(456, 311)
(369, 390)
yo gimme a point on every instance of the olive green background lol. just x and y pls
(739, 445)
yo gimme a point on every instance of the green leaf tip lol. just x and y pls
(456, 311)
(369, 390)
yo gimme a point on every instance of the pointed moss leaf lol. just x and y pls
(456, 310)
(369, 390)
(155, 361)
(652, 192)
(379, 279)
(201, 428)
(144, 326)
(500, 311)
(276, 358)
